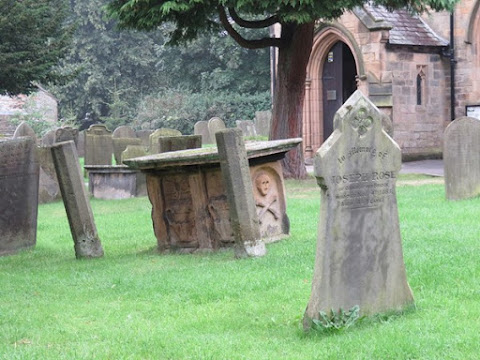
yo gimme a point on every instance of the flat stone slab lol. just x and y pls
(209, 155)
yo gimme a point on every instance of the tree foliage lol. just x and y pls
(297, 19)
(34, 36)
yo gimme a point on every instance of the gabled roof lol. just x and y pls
(404, 27)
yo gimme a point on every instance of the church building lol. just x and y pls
(422, 71)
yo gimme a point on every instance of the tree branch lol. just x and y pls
(257, 24)
(249, 44)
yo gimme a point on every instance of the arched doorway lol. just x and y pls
(339, 75)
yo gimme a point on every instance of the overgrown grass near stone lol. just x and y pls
(137, 304)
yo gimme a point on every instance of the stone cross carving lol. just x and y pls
(359, 250)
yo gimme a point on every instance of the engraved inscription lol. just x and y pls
(360, 150)
(363, 190)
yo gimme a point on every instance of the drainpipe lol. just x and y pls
(452, 65)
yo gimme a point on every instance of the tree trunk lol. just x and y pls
(290, 93)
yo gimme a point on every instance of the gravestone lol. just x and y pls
(25, 130)
(98, 145)
(18, 194)
(359, 249)
(48, 189)
(124, 132)
(134, 151)
(154, 146)
(201, 128)
(77, 205)
(67, 133)
(48, 139)
(144, 136)
(461, 148)
(176, 143)
(247, 127)
(81, 144)
(263, 120)
(238, 185)
(215, 124)
(120, 144)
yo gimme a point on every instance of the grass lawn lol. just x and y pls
(136, 304)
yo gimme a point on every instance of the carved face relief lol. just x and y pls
(262, 183)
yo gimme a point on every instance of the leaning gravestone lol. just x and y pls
(176, 143)
(48, 139)
(215, 124)
(98, 145)
(25, 130)
(154, 144)
(238, 185)
(461, 149)
(263, 120)
(48, 189)
(18, 194)
(201, 128)
(359, 250)
(80, 217)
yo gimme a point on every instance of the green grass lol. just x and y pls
(136, 304)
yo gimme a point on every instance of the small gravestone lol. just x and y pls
(77, 205)
(461, 149)
(98, 145)
(238, 185)
(48, 189)
(124, 132)
(154, 144)
(359, 249)
(176, 143)
(144, 136)
(81, 144)
(120, 144)
(18, 194)
(48, 139)
(247, 127)
(263, 120)
(201, 128)
(25, 130)
(215, 125)
(133, 151)
(67, 133)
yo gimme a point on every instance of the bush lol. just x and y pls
(182, 109)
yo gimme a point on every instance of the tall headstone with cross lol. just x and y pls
(359, 249)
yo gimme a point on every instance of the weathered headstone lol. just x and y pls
(239, 189)
(124, 132)
(120, 144)
(25, 130)
(461, 149)
(67, 133)
(144, 136)
(263, 120)
(359, 250)
(48, 189)
(176, 143)
(215, 124)
(18, 194)
(133, 151)
(154, 147)
(48, 139)
(247, 127)
(80, 217)
(201, 128)
(98, 145)
(81, 144)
